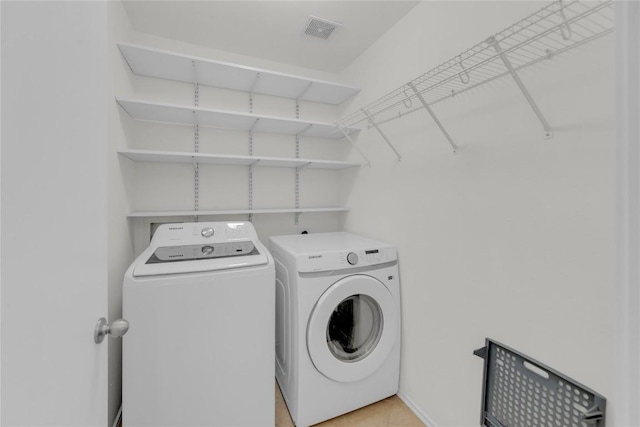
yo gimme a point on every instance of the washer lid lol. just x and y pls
(199, 257)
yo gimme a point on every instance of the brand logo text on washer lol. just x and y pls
(315, 256)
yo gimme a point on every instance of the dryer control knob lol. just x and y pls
(352, 258)
(207, 232)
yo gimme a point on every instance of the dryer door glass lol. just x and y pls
(354, 328)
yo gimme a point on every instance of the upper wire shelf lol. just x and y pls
(554, 29)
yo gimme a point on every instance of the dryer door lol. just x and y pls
(353, 328)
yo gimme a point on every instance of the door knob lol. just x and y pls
(116, 329)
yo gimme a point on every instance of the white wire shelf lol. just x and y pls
(176, 66)
(553, 30)
(155, 156)
(149, 214)
(190, 115)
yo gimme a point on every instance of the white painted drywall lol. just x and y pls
(627, 332)
(54, 205)
(0, 212)
(513, 238)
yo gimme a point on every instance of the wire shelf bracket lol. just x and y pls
(303, 131)
(373, 123)
(353, 144)
(433, 116)
(548, 132)
(254, 84)
(304, 92)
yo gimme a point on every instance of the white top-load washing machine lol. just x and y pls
(199, 352)
(337, 323)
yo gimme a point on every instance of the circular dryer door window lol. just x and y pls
(352, 328)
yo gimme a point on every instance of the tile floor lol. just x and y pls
(390, 412)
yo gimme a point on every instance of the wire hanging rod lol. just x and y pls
(552, 30)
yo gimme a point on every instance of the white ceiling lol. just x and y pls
(271, 30)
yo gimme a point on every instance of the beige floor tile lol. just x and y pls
(401, 416)
(374, 415)
(283, 419)
(390, 412)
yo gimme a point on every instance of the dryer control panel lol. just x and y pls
(326, 252)
(340, 260)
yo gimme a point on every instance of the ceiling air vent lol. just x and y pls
(320, 28)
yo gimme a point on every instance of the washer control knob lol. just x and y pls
(207, 250)
(207, 232)
(352, 258)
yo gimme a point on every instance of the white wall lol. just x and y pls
(513, 237)
(0, 210)
(627, 331)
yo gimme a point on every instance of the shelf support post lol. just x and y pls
(548, 132)
(375, 125)
(346, 135)
(253, 86)
(196, 143)
(196, 167)
(297, 183)
(251, 173)
(195, 83)
(433, 116)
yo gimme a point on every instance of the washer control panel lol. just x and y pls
(164, 254)
(207, 232)
(201, 246)
(203, 232)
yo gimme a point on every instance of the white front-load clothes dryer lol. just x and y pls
(199, 352)
(337, 323)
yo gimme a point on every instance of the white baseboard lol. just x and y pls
(427, 420)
